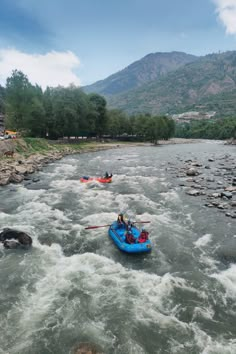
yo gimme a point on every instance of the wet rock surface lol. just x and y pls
(15, 171)
(212, 181)
(15, 239)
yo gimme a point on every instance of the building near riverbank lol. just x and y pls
(186, 117)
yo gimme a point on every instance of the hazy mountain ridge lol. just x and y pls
(152, 67)
(195, 83)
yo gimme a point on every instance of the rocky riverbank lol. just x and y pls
(19, 167)
(16, 169)
(213, 183)
(24, 162)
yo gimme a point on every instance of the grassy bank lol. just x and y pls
(29, 146)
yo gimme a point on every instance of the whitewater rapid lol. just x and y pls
(75, 286)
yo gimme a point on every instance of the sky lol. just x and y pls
(59, 42)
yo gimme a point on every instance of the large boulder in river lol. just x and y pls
(15, 239)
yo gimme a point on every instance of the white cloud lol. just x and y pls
(226, 10)
(51, 69)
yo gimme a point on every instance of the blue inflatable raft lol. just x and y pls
(132, 241)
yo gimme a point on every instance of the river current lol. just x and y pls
(75, 286)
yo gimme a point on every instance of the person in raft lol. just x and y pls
(121, 221)
(143, 236)
(107, 175)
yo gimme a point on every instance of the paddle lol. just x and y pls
(97, 227)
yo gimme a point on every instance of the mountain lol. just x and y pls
(194, 84)
(151, 67)
(202, 83)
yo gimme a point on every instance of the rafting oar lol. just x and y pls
(141, 222)
(97, 227)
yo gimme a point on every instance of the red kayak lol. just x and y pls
(85, 179)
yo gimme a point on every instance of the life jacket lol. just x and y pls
(143, 237)
(130, 238)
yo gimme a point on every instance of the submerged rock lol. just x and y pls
(87, 348)
(15, 239)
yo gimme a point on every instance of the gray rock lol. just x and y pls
(192, 172)
(193, 192)
(210, 179)
(16, 238)
(15, 178)
(227, 195)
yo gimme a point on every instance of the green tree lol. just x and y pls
(18, 97)
(118, 123)
(2, 99)
(98, 113)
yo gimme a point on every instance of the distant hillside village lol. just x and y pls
(187, 117)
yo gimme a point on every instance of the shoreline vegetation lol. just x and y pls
(32, 154)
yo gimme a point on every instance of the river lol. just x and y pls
(75, 286)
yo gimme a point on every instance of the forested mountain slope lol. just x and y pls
(196, 83)
(151, 67)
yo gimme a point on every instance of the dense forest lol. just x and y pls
(66, 112)
(208, 129)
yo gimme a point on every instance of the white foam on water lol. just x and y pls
(189, 218)
(67, 185)
(171, 196)
(157, 294)
(131, 347)
(208, 345)
(203, 240)
(65, 170)
(104, 283)
(4, 217)
(128, 170)
(204, 258)
(104, 199)
(24, 195)
(98, 219)
(228, 279)
(210, 263)
(36, 218)
(203, 312)
(99, 157)
(204, 343)
(165, 218)
(223, 347)
(139, 199)
(40, 211)
(61, 170)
